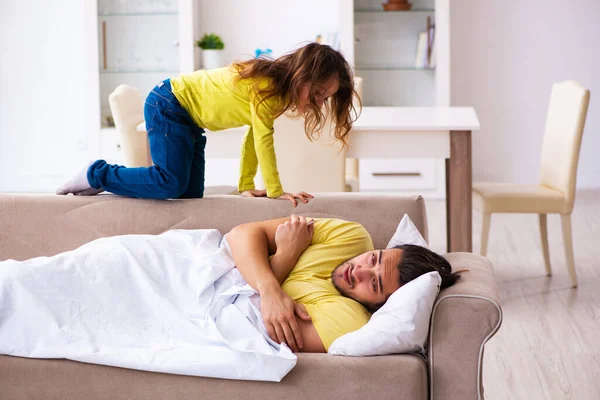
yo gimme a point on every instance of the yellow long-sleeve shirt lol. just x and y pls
(215, 101)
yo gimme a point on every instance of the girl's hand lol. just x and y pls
(303, 196)
(254, 193)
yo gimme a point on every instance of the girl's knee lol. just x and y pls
(171, 190)
(170, 186)
(196, 193)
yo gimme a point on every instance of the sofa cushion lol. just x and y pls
(316, 376)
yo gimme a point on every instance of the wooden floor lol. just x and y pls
(549, 344)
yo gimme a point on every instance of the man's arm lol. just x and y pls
(286, 238)
(251, 245)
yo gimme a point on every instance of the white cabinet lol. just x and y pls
(383, 45)
(140, 43)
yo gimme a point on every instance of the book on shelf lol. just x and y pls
(431, 48)
(425, 57)
(432, 56)
(421, 56)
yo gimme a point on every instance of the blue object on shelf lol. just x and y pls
(260, 52)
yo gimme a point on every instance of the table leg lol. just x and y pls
(459, 222)
(448, 205)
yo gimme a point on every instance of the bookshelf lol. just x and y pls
(383, 47)
(386, 44)
(140, 43)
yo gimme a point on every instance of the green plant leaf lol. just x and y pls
(210, 41)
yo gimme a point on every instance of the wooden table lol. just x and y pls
(426, 132)
(405, 132)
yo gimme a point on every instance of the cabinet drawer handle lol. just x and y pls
(396, 174)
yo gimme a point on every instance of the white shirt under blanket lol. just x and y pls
(171, 303)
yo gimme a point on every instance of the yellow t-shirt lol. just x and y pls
(309, 283)
(215, 101)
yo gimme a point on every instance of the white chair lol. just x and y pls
(317, 166)
(127, 108)
(556, 191)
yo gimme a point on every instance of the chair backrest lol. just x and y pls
(317, 166)
(127, 107)
(562, 138)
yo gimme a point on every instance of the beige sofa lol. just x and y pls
(465, 316)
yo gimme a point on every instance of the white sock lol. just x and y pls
(79, 183)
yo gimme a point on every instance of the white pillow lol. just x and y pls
(400, 326)
(407, 233)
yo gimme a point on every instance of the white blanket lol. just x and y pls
(170, 303)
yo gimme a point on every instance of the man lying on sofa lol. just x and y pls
(315, 288)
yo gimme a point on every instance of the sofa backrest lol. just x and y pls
(44, 225)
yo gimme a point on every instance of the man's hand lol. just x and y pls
(294, 236)
(279, 315)
(303, 196)
(291, 239)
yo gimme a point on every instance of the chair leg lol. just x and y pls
(485, 233)
(565, 220)
(544, 233)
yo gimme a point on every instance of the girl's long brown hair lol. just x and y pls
(313, 64)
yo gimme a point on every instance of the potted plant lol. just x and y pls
(212, 46)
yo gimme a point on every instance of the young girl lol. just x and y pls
(252, 93)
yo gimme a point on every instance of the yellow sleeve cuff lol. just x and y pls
(275, 193)
(242, 187)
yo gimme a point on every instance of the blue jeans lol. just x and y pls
(177, 148)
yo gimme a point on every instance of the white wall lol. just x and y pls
(505, 56)
(278, 25)
(48, 101)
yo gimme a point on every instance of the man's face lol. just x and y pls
(369, 278)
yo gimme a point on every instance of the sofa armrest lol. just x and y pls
(465, 316)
